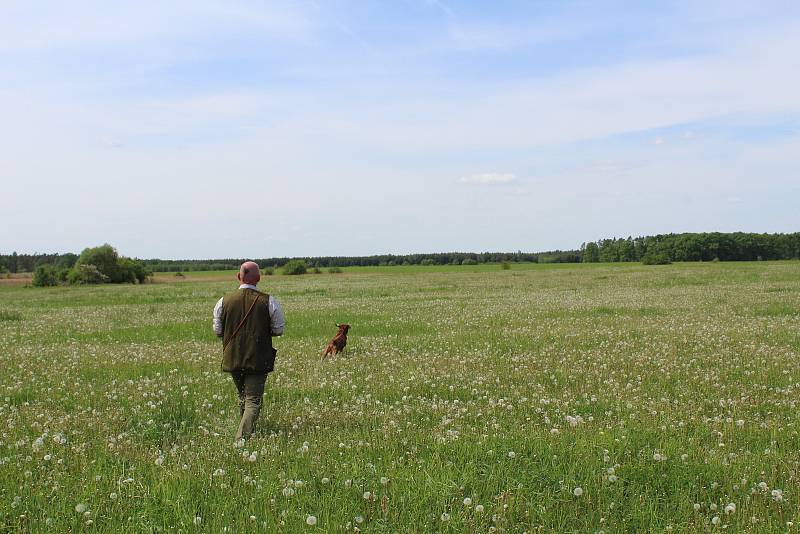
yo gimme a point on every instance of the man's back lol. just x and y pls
(250, 349)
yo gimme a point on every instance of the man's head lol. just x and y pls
(249, 273)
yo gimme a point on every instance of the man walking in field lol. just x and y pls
(246, 320)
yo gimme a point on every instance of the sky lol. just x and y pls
(205, 129)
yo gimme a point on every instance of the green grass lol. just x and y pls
(8, 315)
(651, 388)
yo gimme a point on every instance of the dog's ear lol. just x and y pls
(338, 326)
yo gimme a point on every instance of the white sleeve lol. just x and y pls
(218, 318)
(277, 319)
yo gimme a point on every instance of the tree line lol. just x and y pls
(736, 246)
(379, 260)
(28, 262)
(711, 246)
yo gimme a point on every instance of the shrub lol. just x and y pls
(427, 261)
(505, 266)
(66, 261)
(295, 267)
(45, 275)
(469, 261)
(268, 271)
(107, 262)
(132, 271)
(179, 275)
(85, 274)
(655, 258)
(316, 270)
(104, 258)
(334, 270)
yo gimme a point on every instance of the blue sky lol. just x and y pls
(252, 129)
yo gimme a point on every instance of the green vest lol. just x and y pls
(251, 350)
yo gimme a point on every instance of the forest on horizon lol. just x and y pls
(709, 246)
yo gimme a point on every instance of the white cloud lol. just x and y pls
(488, 178)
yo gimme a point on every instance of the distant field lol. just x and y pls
(553, 398)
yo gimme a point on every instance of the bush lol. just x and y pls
(45, 275)
(316, 270)
(132, 271)
(655, 258)
(427, 261)
(295, 267)
(469, 261)
(268, 271)
(505, 266)
(105, 259)
(334, 270)
(113, 268)
(85, 274)
(66, 261)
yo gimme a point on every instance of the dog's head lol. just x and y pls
(343, 328)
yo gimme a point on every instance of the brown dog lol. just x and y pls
(337, 344)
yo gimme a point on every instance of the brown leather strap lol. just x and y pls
(241, 324)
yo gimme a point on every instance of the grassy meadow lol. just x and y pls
(563, 398)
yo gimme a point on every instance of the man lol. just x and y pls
(246, 320)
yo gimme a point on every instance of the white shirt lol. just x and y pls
(277, 320)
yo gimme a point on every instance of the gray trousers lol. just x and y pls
(251, 391)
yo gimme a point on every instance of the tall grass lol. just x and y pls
(548, 398)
